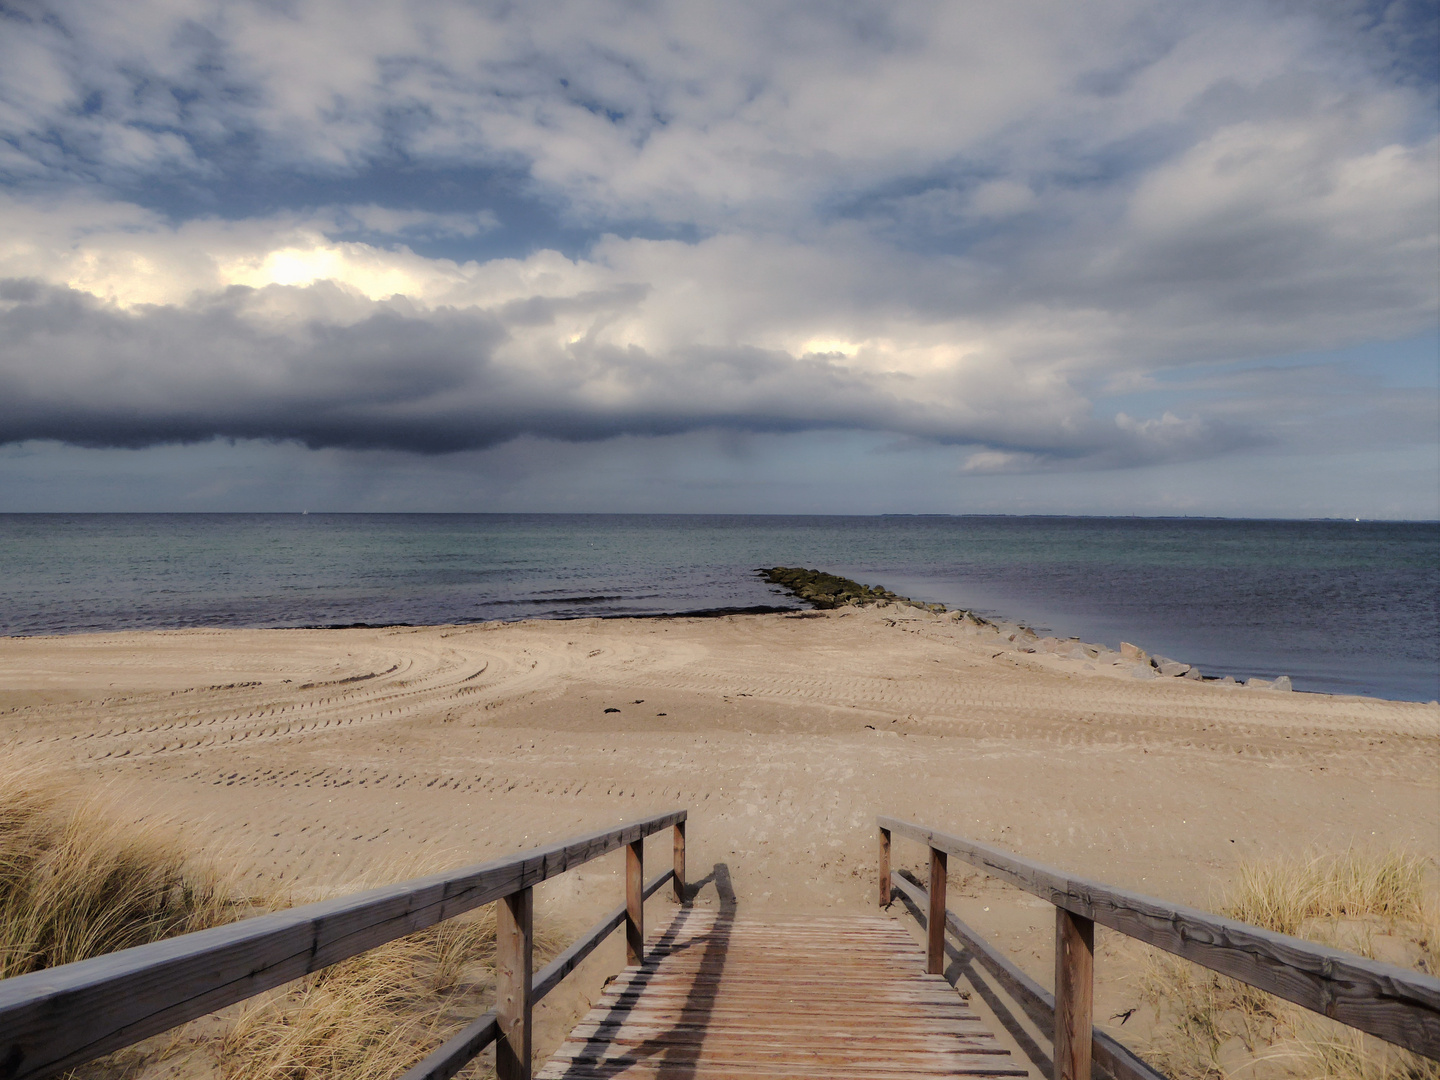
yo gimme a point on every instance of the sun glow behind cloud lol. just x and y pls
(354, 265)
(829, 347)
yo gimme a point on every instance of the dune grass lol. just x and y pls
(1210, 1027)
(373, 1015)
(77, 880)
(377, 1013)
(1285, 894)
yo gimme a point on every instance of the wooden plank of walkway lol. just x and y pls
(726, 996)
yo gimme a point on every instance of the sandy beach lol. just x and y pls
(310, 757)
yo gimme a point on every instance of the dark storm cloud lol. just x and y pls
(87, 373)
(77, 370)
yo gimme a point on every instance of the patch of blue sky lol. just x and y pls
(1409, 362)
(1412, 363)
(1406, 36)
(515, 216)
(935, 212)
(525, 219)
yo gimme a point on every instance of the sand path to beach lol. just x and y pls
(308, 757)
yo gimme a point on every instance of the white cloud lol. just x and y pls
(713, 112)
(960, 222)
(1001, 198)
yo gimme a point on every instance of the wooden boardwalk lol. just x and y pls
(727, 996)
(717, 995)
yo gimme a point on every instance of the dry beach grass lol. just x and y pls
(374, 1015)
(78, 880)
(1383, 905)
(313, 757)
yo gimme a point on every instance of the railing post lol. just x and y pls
(935, 954)
(514, 935)
(884, 867)
(1074, 994)
(635, 902)
(680, 862)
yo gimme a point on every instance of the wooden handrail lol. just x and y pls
(57, 1018)
(455, 1053)
(1039, 1004)
(1391, 1003)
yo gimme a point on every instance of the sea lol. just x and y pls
(1346, 607)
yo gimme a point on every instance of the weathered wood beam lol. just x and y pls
(1038, 1003)
(935, 933)
(457, 1052)
(1074, 994)
(514, 957)
(884, 869)
(680, 862)
(635, 902)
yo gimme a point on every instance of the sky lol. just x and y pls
(1045, 256)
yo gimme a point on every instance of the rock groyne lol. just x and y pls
(829, 591)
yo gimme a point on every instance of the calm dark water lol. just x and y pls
(1347, 607)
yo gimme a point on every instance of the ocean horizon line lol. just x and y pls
(711, 514)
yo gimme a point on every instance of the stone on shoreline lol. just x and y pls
(1280, 682)
(826, 591)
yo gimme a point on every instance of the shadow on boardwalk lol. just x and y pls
(669, 1059)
